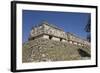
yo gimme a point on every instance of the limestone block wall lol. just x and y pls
(36, 31)
(46, 29)
(86, 43)
(46, 36)
(55, 38)
(74, 39)
(63, 40)
(54, 32)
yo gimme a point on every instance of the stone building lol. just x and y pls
(50, 43)
(49, 31)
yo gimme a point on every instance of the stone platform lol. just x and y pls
(39, 50)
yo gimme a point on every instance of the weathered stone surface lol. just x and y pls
(49, 43)
(39, 50)
(49, 31)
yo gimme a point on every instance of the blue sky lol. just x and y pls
(68, 21)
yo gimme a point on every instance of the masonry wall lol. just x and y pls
(74, 39)
(46, 36)
(54, 32)
(36, 31)
(46, 31)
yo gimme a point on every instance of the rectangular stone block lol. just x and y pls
(56, 39)
(63, 40)
(70, 42)
(75, 43)
(46, 36)
(79, 44)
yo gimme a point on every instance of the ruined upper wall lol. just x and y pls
(54, 32)
(36, 31)
(72, 37)
(49, 30)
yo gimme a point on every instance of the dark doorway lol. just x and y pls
(60, 39)
(50, 37)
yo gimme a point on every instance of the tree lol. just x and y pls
(88, 29)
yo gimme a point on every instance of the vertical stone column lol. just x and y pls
(70, 42)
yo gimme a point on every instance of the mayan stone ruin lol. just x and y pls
(50, 43)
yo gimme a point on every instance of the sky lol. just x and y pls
(68, 21)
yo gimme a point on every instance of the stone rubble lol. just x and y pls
(39, 50)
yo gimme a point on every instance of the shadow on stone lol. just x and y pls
(83, 53)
